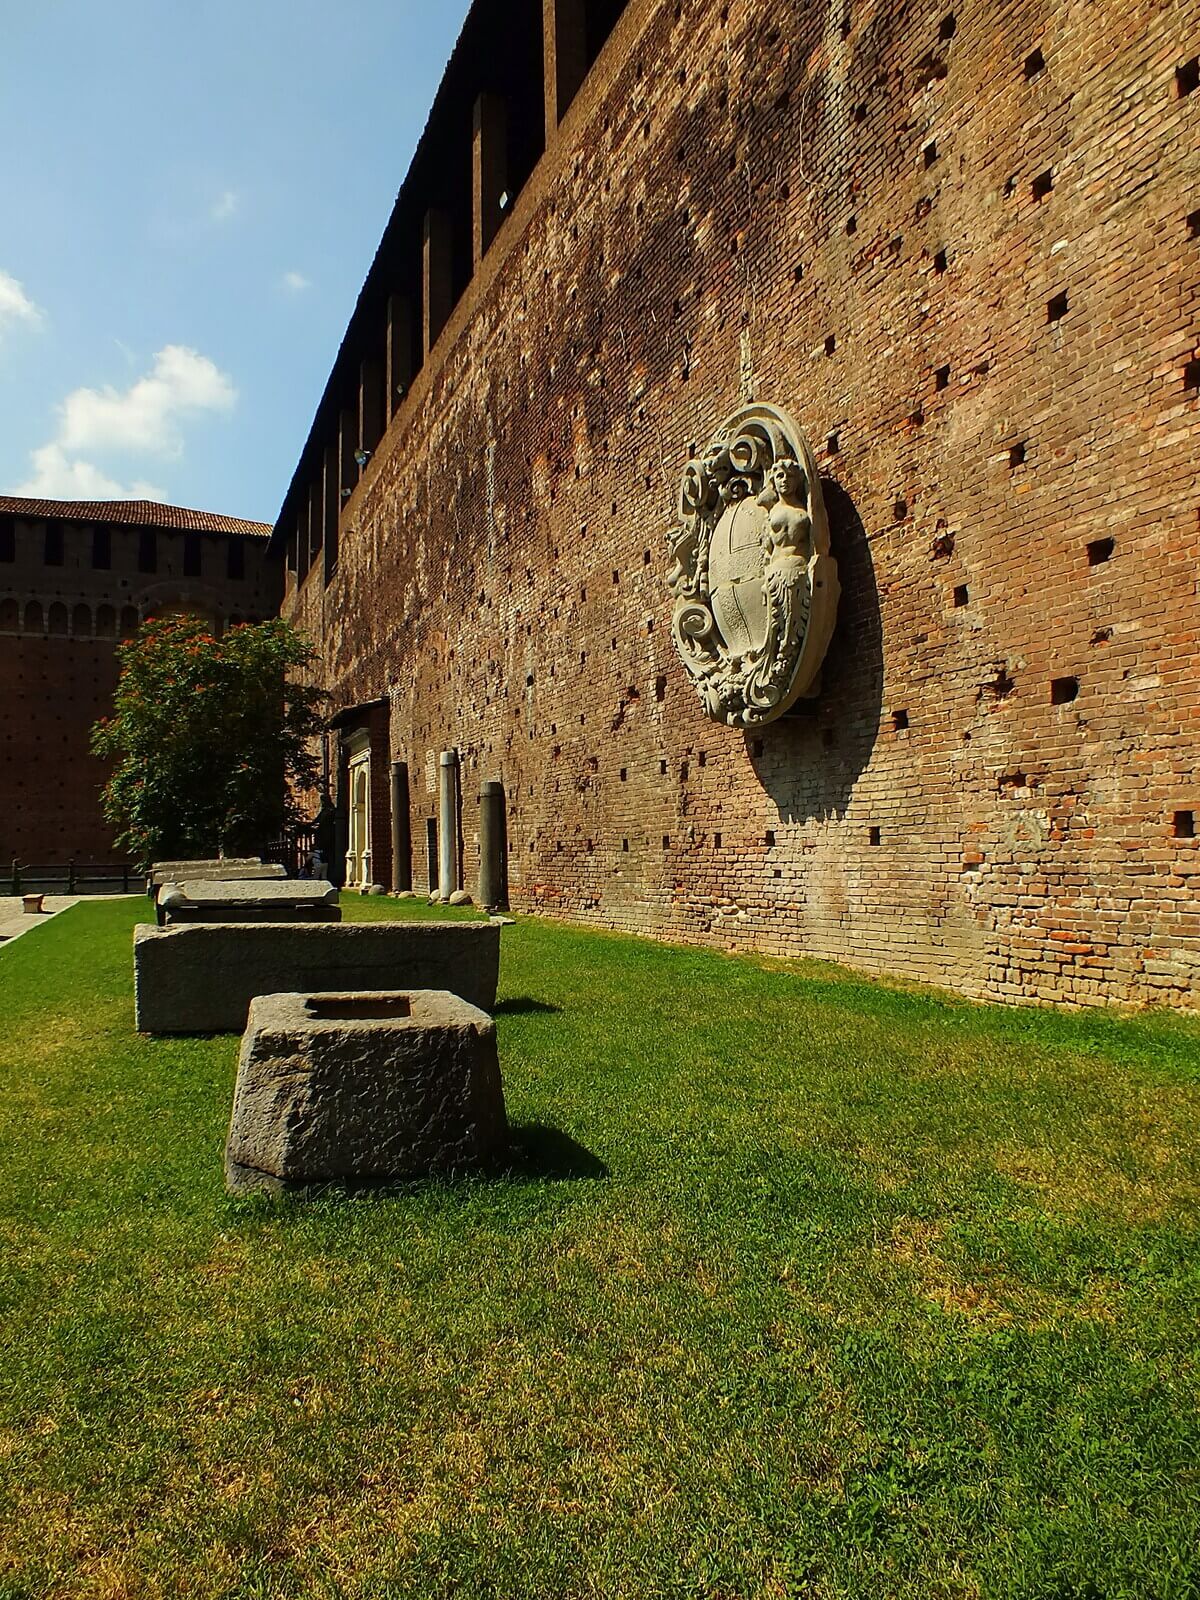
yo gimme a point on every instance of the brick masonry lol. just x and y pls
(59, 627)
(961, 242)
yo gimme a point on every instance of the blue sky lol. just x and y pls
(191, 193)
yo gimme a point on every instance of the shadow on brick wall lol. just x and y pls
(809, 761)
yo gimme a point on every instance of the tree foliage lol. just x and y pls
(211, 739)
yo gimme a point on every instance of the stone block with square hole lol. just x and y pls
(363, 1087)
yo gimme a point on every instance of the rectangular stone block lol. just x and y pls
(200, 869)
(241, 900)
(201, 978)
(363, 1086)
(212, 871)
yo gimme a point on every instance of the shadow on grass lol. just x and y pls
(534, 1151)
(538, 1151)
(522, 1005)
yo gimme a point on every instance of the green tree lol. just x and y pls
(210, 739)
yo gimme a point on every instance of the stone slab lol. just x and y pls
(364, 1087)
(199, 869)
(239, 900)
(201, 977)
(211, 871)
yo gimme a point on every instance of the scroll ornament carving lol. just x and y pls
(754, 584)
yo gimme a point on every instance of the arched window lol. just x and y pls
(81, 622)
(106, 622)
(33, 617)
(10, 616)
(129, 621)
(57, 619)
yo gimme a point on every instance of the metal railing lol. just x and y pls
(292, 851)
(72, 877)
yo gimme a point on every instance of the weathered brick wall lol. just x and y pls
(961, 243)
(59, 627)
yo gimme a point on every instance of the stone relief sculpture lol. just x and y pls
(754, 584)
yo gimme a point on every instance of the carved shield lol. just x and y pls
(754, 584)
(735, 586)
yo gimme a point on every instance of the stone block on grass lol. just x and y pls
(363, 1088)
(201, 977)
(242, 900)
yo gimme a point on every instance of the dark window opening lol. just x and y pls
(147, 559)
(899, 720)
(53, 548)
(1016, 454)
(1042, 185)
(1035, 62)
(102, 549)
(873, 836)
(1184, 825)
(600, 19)
(8, 539)
(961, 594)
(431, 852)
(1063, 691)
(191, 555)
(235, 559)
(1056, 307)
(1100, 551)
(1187, 77)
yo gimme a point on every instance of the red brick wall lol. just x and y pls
(58, 670)
(54, 689)
(848, 219)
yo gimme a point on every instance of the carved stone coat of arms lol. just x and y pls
(754, 584)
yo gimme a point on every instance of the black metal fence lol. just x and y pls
(293, 852)
(72, 877)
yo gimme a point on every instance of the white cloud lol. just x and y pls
(295, 282)
(227, 204)
(144, 419)
(56, 477)
(15, 304)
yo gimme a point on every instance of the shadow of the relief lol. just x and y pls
(523, 1005)
(809, 761)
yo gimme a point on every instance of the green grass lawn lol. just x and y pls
(799, 1286)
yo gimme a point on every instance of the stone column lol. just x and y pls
(491, 846)
(448, 826)
(401, 835)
